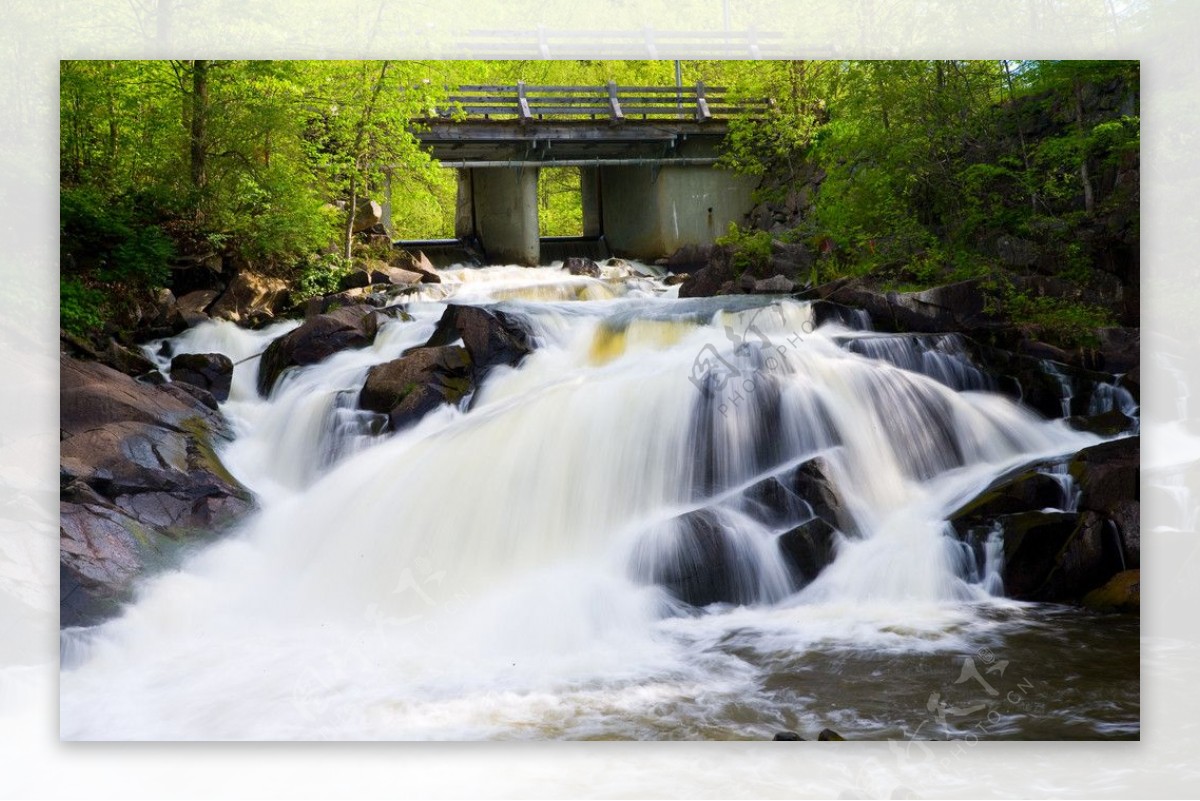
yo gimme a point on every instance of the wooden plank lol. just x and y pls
(613, 103)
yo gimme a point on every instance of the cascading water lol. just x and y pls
(583, 553)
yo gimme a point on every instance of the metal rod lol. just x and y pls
(644, 162)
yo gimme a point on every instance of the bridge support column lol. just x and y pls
(589, 190)
(498, 206)
(650, 213)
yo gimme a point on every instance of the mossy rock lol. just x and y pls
(1122, 593)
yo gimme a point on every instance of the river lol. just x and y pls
(497, 572)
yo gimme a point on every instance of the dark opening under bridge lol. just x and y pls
(646, 156)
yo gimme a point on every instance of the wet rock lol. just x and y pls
(1108, 476)
(316, 340)
(577, 265)
(491, 337)
(1108, 424)
(673, 279)
(408, 388)
(209, 371)
(787, 736)
(1027, 491)
(694, 559)
(829, 735)
(796, 495)
(251, 299)
(1122, 593)
(138, 474)
(808, 549)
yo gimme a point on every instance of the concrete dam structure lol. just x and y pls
(646, 156)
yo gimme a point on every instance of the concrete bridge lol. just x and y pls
(646, 159)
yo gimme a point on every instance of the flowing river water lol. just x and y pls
(495, 571)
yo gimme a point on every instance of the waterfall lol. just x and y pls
(523, 568)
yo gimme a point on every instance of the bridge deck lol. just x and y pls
(564, 140)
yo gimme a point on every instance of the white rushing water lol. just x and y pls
(497, 571)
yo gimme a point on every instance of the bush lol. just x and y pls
(320, 275)
(79, 307)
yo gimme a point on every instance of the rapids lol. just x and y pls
(490, 571)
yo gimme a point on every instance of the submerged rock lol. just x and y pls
(138, 475)
(787, 736)
(317, 339)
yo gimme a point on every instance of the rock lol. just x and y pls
(194, 306)
(673, 279)
(1027, 491)
(491, 337)
(829, 735)
(1016, 252)
(251, 299)
(408, 388)
(357, 279)
(1108, 477)
(209, 371)
(808, 549)
(1122, 593)
(115, 355)
(787, 736)
(1107, 424)
(421, 264)
(138, 474)
(776, 284)
(689, 258)
(693, 558)
(577, 265)
(367, 214)
(797, 495)
(400, 277)
(316, 340)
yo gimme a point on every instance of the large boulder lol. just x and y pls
(193, 306)
(408, 388)
(694, 557)
(209, 371)
(139, 475)
(316, 340)
(251, 299)
(367, 214)
(1064, 534)
(416, 262)
(490, 336)
(1108, 476)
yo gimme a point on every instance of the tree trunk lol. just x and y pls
(199, 114)
(1089, 200)
(351, 213)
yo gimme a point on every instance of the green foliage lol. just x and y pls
(320, 275)
(79, 307)
(111, 241)
(1059, 320)
(751, 250)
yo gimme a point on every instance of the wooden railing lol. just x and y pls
(616, 103)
